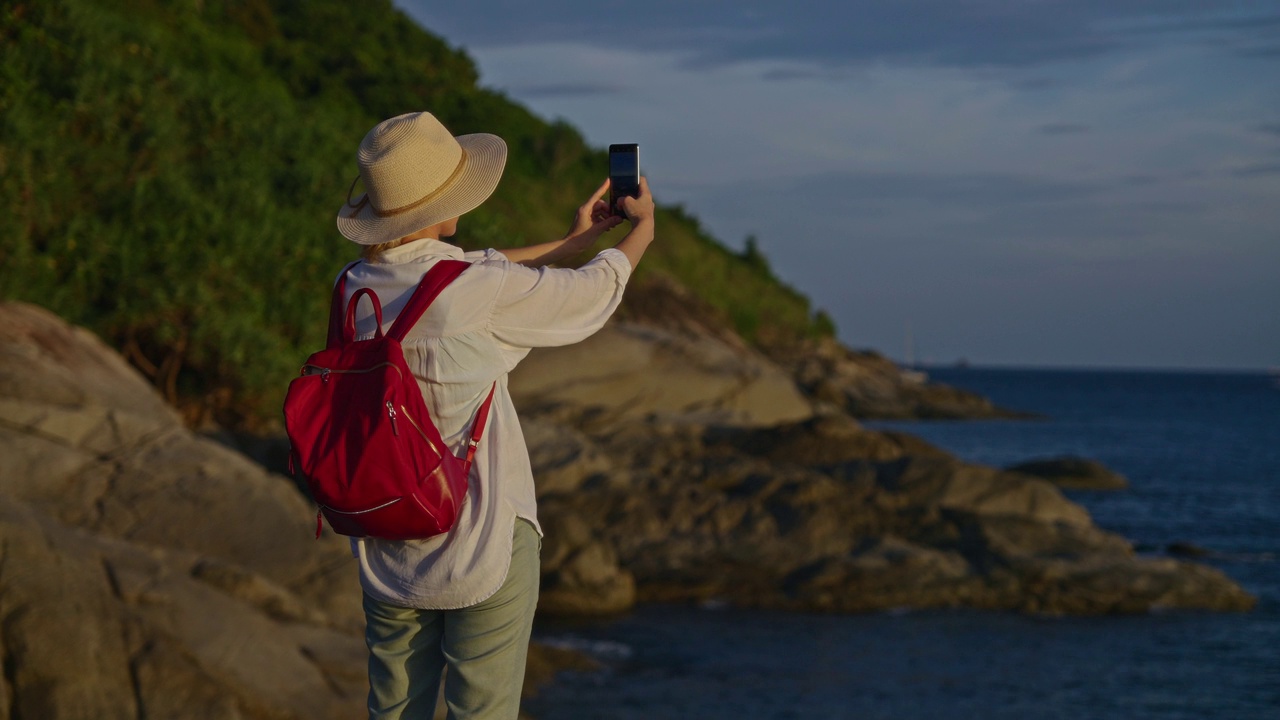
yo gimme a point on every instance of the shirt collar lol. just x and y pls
(419, 250)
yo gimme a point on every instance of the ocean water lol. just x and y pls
(1202, 454)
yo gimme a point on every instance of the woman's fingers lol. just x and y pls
(596, 197)
(604, 188)
(595, 215)
(639, 206)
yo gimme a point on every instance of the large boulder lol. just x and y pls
(100, 628)
(132, 472)
(581, 574)
(147, 571)
(634, 371)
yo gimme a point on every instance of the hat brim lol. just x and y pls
(486, 156)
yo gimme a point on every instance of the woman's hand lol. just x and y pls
(592, 220)
(637, 209)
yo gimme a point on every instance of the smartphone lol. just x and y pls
(624, 173)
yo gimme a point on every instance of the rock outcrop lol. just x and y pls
(826, 515)
(147, 571)
(631, 371)
(867, 385)
(863, 384)
(1072, 473)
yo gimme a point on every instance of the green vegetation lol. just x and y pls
(171, 171)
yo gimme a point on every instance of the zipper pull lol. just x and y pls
(324, 375)
(319, 523)
(391, 413)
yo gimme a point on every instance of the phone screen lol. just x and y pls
(624, 172)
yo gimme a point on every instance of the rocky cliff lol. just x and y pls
(148, 571)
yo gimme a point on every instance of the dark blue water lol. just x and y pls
(1202, 454)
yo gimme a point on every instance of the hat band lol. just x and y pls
(364, 199)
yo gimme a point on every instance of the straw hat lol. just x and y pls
(417, 174)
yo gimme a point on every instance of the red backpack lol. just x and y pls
(360, 432)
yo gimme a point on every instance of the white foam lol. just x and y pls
(602, 649)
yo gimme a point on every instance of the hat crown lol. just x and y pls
(406, 158)
(417, 174)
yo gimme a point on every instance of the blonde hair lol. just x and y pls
(371, 252)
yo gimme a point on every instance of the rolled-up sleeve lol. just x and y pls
(558, 306)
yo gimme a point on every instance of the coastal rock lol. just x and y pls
(1186, 549)
(867, 385)
(139, 616)
(48, 361)
(199, 591)
(825, 515)
(826, 439)
(1073, 473)
(883, 572)
(862, 384)
(564, 457)
(192, 575)
(146, 571)
(64, 644)
(580, 574)
(631, 371)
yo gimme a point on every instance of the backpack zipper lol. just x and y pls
(361, 512)
(324, 372)
(322, 508)
(416, 426)
(391, 413)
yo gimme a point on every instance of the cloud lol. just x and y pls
(1271, 52)
(942, 188)
(935, 159)
(1140, 179)
(1256, 170)
(1063, 128)
(784, 74)
(995, 217)
(994, 33)
(563, 90)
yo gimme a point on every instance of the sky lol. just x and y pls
(1056, 183)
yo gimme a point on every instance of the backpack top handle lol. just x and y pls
(433, 282)
(349, 327)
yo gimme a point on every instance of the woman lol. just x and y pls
(466, 599)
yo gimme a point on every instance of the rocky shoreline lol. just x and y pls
(688, 468)
(825, 515)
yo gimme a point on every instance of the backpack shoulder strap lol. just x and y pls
(336, 310)
(477, 429)
(436, 280)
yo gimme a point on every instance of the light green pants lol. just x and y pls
(484, 647)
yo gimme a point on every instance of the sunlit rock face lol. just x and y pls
(148, 571)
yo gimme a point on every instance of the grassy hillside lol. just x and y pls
(171, 170)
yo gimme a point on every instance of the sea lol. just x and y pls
(1201, 451)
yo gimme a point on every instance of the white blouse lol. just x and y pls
(475, 332)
